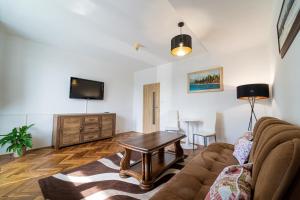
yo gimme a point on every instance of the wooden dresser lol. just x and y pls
(70, 129)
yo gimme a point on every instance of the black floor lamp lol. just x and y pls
(252, 92)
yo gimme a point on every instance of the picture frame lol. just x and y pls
(207, 80)
(288, 25)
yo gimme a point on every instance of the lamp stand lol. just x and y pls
(252, 103)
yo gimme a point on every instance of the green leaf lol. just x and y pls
(28, 143)
(9, 149)
(19, 152)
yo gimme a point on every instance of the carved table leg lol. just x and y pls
(161, 155)
(146, 182)
(125, 163)
(179, 151)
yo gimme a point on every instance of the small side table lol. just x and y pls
(205, 135)
(187, 144)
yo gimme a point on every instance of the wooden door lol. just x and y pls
(107, 126)
(151, 116)
(70, 128)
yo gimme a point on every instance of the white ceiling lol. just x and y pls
(112, 27)
(227, 25)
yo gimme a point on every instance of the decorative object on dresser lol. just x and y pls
(70, 129)
(253, 92)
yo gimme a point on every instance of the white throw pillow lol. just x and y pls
(242, 149)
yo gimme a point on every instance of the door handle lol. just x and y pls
(153, 108)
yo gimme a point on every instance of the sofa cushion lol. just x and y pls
(195, 179)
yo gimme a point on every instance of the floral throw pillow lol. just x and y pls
(234, 182)
(242, 149)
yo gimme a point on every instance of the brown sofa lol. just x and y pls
(276, 165)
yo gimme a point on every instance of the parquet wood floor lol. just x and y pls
(18, 178)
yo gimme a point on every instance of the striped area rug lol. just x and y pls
(100, 180)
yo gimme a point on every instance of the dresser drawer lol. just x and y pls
(107, 126)
(91, 119)
(107, 133)
(70, 131)
(70, 139)
(71, 122)
(107, 121)
(107, 117)
(90, 136)
(91, 128)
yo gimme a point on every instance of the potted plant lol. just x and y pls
(19, 139)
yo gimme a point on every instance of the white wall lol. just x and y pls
(141, 78)
(248, 66)
(286, 102)
(36, 85)
(2, 46)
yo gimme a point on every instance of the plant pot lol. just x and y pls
(15, 154)
(24, 150)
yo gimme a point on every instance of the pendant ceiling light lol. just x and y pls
(181, 45)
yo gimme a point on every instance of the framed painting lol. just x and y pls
(288, 24)
(209, 80)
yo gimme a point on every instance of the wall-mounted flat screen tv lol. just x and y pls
(86, 89)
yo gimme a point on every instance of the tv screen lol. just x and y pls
(86, 89)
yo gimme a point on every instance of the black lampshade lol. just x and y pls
(181, 45)
(259, 91)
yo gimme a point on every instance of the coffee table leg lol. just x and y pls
(125, 163)
(161, 155)
(146, 182)
(178, 151)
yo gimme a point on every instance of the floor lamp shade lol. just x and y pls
(252, 92)
(258, 91)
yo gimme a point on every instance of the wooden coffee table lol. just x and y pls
(154, 158)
